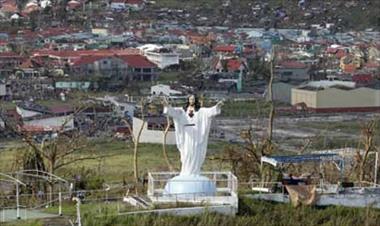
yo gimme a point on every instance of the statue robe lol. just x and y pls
(192, 136)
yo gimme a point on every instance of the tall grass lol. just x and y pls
(252, 212)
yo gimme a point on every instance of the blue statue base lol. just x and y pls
(188, 186)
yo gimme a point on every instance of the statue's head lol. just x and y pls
(193, 101)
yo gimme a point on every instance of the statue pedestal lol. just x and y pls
(188, 186)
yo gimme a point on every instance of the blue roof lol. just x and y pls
(274, 160)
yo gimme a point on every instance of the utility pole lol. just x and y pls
(76, 199)
(17, 200)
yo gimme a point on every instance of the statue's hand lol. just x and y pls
(164, 102)
(220, 103)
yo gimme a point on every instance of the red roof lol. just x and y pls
(80, 53)
(87, 60)
(9, 54)
(138, 61)
(233, 64)
(225, 48)
(26, 64)
(38, 128)
(362, 78)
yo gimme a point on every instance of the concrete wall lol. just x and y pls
(282, 92)
(151, 136)
(337, 98)
(163, 60)
(309, 97)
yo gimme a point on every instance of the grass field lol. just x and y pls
(119, 165)
(252, 109)
(251, 212)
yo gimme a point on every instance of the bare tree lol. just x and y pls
(270, 97)
(136, 140)
(60, 149)
(368, 144)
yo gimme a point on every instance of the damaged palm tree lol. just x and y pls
(362, 168)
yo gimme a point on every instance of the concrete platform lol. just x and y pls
(11, 215)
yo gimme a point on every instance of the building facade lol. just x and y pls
(336, 99)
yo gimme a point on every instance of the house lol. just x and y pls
(292, 71)
(350, 63)
(153, 130)
(109, 67)
(8, 62)
(229, 65)
(161, 56)
(336, 96)
(140, 68)
(36, 118)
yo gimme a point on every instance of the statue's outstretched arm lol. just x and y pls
(213, 111)
(169, 110)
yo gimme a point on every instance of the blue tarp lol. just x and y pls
(286, 159)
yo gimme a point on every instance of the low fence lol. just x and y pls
(226, 185)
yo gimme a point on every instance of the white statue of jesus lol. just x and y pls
(192, 126)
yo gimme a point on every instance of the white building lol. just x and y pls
(165, 90)
(153, 130)
(160, 55)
